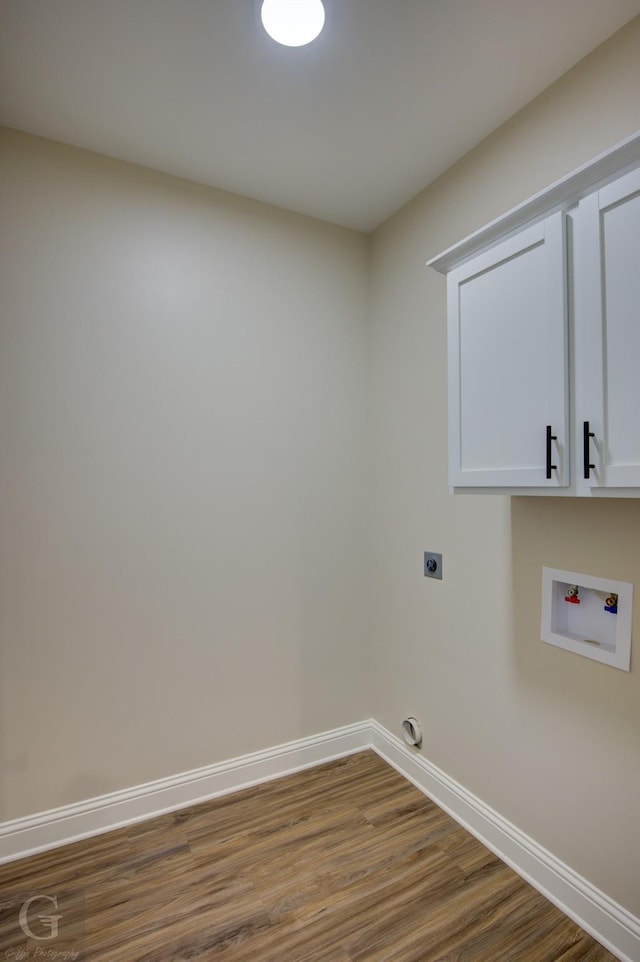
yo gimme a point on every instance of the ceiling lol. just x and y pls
(347, 129)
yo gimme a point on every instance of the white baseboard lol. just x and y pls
(594, 911)
(70, 823)
(612, 925)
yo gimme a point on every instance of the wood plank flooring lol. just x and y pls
(347, 862)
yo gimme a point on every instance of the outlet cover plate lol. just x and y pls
(432, 565)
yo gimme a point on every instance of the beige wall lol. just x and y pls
(182, 406)
(549, 739)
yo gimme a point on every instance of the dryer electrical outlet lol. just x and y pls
(432, 565)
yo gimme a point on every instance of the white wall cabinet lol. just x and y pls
(508, 340)
(544, 340)
(608, 329)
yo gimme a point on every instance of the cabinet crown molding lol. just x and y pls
(562, 194)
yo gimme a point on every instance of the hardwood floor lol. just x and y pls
(347, 862)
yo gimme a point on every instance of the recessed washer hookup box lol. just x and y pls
(587, 615)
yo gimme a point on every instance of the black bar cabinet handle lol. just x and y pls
(586, 434)
(550, 437)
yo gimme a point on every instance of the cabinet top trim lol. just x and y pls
(562, 194)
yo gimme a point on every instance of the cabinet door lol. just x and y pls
(608, 335)
(508, 367)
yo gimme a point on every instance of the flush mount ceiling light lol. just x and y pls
(293, 23)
